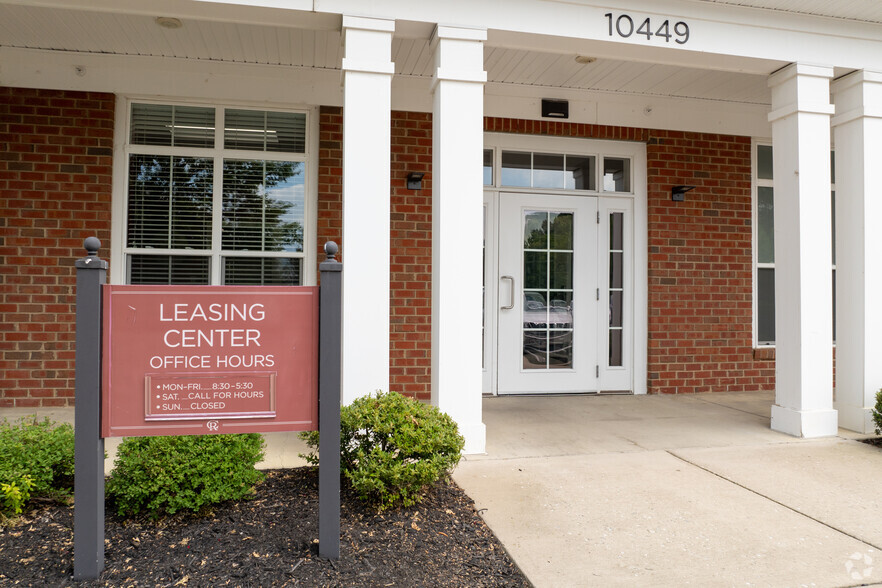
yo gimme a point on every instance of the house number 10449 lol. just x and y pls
(624, 26)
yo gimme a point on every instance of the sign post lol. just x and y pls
(329, 403)
(88, 444)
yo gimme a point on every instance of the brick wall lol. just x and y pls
(411, 238)
(330, 181)
(700, 267)
(55, 187)
(411, 270)
(700, 272)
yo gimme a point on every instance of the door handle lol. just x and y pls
(511, 300)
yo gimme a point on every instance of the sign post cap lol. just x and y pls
(92, 245)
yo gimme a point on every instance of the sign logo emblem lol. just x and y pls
(212, 425)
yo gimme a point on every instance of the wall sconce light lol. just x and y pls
(678, 193)
(555, 108)
(415, 180)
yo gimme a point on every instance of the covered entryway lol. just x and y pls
(698, 86)
(565, 306)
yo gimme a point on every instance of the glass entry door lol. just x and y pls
(547, 294)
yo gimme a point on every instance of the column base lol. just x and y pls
(805, 423)
(475, 435)
(856, 418)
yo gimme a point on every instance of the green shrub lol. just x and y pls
(14, 495)
(37, 460)
(877, 413)
(392, 447)
(162, 475)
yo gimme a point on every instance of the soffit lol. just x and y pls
(31, 27)
(859, 10)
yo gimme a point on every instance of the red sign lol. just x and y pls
(195, 360)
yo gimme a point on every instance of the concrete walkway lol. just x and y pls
(674, 491)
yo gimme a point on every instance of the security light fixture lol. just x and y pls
(678, 193)
(555, 108)
(415, 180)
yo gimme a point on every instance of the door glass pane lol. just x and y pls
(536, 269)
(535, 310)
(615, 347)
(616, 174)
(536, 230)
(580, 173)
(616, 231)
(535, 349)
(561, 230)
(560, 270)
(560, 349)
(765, 226)
(616, 286)
(548, 290)
(560, 310)
(615, 269)
(516, 169)
(548, 170)
(615, 308)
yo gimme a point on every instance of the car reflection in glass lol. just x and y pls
(548, 335)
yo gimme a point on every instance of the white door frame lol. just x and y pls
(636, 338)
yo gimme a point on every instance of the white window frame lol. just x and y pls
(757, 183)
(123, 148)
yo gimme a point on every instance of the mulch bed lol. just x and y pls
(271, 540)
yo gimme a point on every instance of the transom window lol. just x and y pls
(205, 206)
(558, 171)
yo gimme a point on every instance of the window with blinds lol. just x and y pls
(203, 206)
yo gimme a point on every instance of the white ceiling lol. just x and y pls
(860, 10)
(32, 27)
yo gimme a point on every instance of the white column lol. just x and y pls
(857, 129)
(457, 228)
(800, 120)
(367, 89)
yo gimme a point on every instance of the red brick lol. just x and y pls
(58, 181)
(56, 190)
